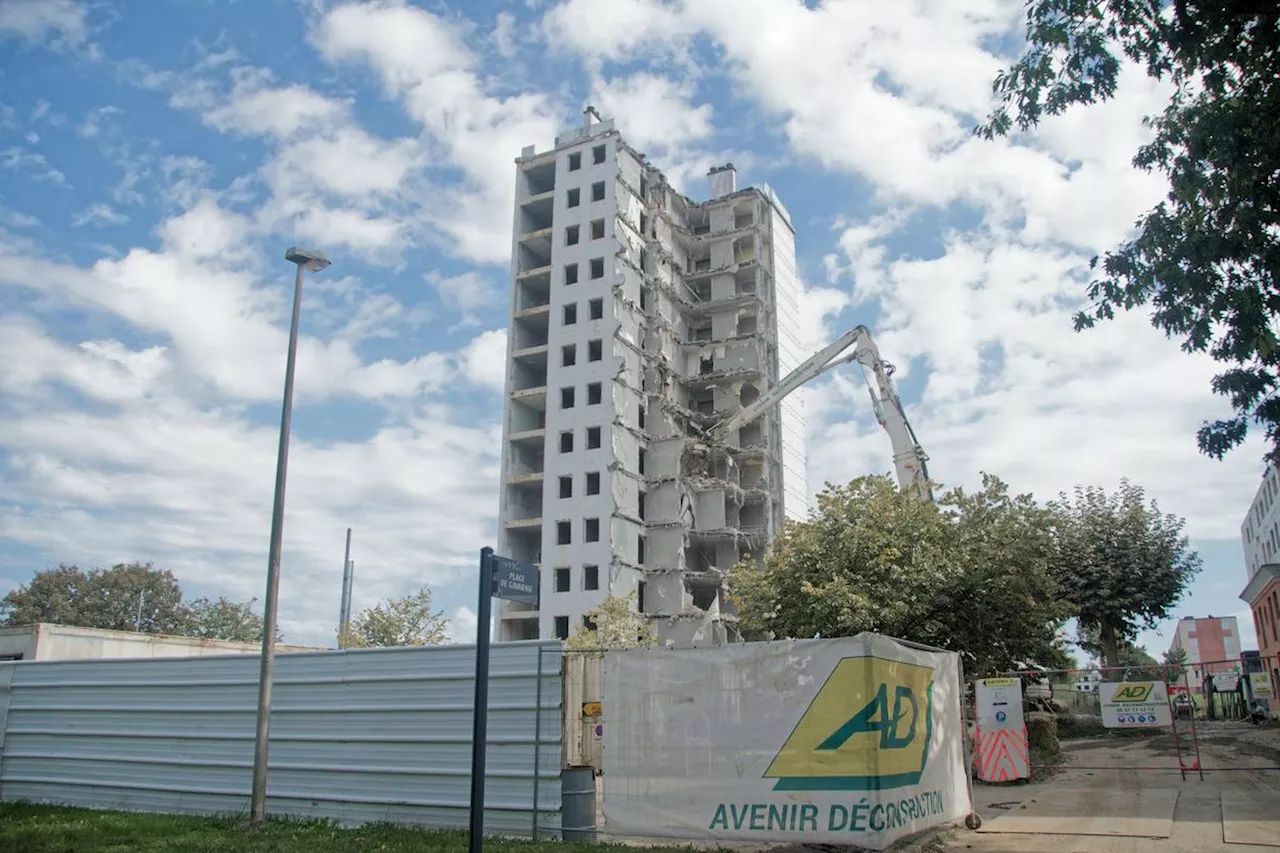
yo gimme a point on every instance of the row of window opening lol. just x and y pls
(569, 352)
(598, 153)
(573, 233)
(590, 579)
(595, 311)
(593, 443)
(590, 531)
(596, 270)
(591, 482)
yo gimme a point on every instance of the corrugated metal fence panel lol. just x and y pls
(358, 736)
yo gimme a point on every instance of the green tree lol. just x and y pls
(617, 626)
(125, 597)
(970, 574)
(1207, 258)
(407, 621)
(225, 620)
(1120, 563)
(1175, 665)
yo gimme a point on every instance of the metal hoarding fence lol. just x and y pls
(857, 741)
(357, 735)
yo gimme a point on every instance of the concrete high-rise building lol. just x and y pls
(639, 318)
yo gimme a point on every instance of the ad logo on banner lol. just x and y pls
(867, 729)
(854, 741)
(1134, 693)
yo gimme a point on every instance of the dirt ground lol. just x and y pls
(1236, 759)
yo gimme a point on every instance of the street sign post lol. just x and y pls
(500, 577)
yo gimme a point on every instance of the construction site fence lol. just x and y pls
(1223, 700)
(697, 713)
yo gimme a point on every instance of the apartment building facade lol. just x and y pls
(1212, 646)
(639, 319)
(1260, 530)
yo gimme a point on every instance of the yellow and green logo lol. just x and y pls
(867, 729)
(1136, 692)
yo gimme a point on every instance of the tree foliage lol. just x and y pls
(224, 619)
(127, 597)
(617, 626)
(1120, 563)
(1207, 259)
(969, 574)
(407, 621)
(1175, 665)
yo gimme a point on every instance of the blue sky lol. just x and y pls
(155, 165)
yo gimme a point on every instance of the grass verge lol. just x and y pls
(31, 828)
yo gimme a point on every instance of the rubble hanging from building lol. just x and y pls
(701, 328)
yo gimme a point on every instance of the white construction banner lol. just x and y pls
(854, 741)
(1135, 704)
(1260, 683)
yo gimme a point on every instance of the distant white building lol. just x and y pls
(1088, 681)
(1260, 531)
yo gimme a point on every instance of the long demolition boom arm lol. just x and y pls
(909, 457)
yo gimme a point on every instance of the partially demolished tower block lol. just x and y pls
(638, 319)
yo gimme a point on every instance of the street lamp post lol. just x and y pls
(314, 261)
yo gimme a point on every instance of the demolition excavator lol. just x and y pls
(909, 458)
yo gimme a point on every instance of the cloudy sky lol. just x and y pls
(155, 164)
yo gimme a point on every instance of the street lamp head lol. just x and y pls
(313, 260)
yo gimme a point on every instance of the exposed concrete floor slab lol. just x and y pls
(1091, 811)
(1251, 818)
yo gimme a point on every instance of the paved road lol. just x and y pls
(1235, 757)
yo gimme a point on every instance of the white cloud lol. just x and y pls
(167, 464)
(17, 219)
(423, 60)
(98, 215)
(222, 323)
(36, 21)
(105, 371)
(97, 119)
(614, 29)
(484, 360)
(191, 490)
(348, 163)
(254, 109)
(463, 625)
(653, 110)
(468, 292)
(504, 35)
(35, 165)
(1010, 388)
(186, 179)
